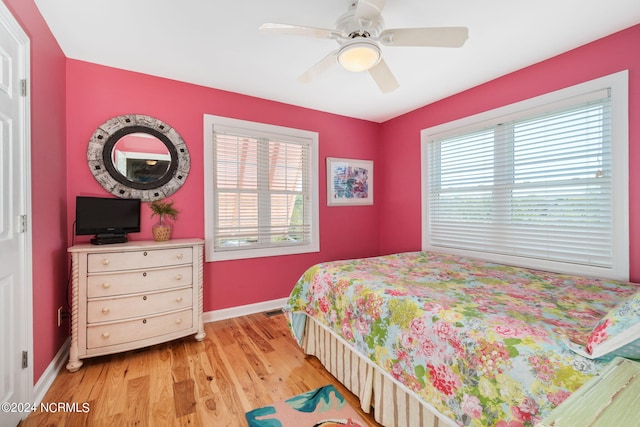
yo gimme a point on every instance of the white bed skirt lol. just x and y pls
(395, 405)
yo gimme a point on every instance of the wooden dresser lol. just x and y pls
(131, 295)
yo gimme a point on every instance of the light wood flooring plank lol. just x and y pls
(138, 401)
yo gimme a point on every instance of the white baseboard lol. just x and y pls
(49, 374)
(243, 310)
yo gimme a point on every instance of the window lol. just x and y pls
(261, 189)
(541, 183)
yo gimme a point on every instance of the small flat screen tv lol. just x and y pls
(109, 219)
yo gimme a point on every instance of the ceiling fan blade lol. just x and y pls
(383, 77)
(428, 37)
(298, 30)
(319, 68)
(369, 10)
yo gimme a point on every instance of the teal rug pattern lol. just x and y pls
(322, 407)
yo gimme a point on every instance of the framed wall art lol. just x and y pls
(349, 182)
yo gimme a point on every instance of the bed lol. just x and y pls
(430, 339)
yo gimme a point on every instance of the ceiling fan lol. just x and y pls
(360, 33)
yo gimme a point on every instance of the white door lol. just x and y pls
(15, 248)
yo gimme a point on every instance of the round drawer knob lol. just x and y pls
(178, 321)
(105, 335)
(144, 298)
(105, 310)
(144, 321)
(105, 261)
(180, 256)
(179, 299)
(106, 285)
(178, 276)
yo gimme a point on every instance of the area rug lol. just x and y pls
(322, 407)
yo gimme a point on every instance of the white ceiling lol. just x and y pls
(216, 43)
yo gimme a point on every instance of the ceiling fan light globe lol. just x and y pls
(358, 57)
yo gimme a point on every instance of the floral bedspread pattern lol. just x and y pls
(481, 342)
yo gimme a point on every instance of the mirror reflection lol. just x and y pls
(141, 157)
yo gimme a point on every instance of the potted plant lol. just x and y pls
(165, 210)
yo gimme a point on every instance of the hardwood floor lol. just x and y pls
(242, 364)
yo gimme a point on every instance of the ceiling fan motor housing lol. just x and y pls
(351, 27)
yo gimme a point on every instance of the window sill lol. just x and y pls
(212, 256)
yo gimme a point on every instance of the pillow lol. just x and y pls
(617, 333)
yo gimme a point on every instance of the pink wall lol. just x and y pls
(96, 93)
(399, 191)
(48, 185)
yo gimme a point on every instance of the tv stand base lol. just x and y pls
(107, 239)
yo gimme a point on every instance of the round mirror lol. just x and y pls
(137, 156)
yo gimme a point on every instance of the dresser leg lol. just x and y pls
(74, 365)
(201, 334)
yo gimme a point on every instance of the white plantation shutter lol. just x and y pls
(538, 186)
(263, 191)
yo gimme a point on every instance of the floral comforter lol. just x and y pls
(481, 342)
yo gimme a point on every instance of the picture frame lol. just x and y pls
(349, 182)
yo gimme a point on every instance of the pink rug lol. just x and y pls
(322, 407)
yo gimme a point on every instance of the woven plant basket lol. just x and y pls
(161, 233)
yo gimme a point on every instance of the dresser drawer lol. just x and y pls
(116, 261)
(104, 285)
(103, 335)
(109, 309)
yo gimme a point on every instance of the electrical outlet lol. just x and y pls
(59, 315)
